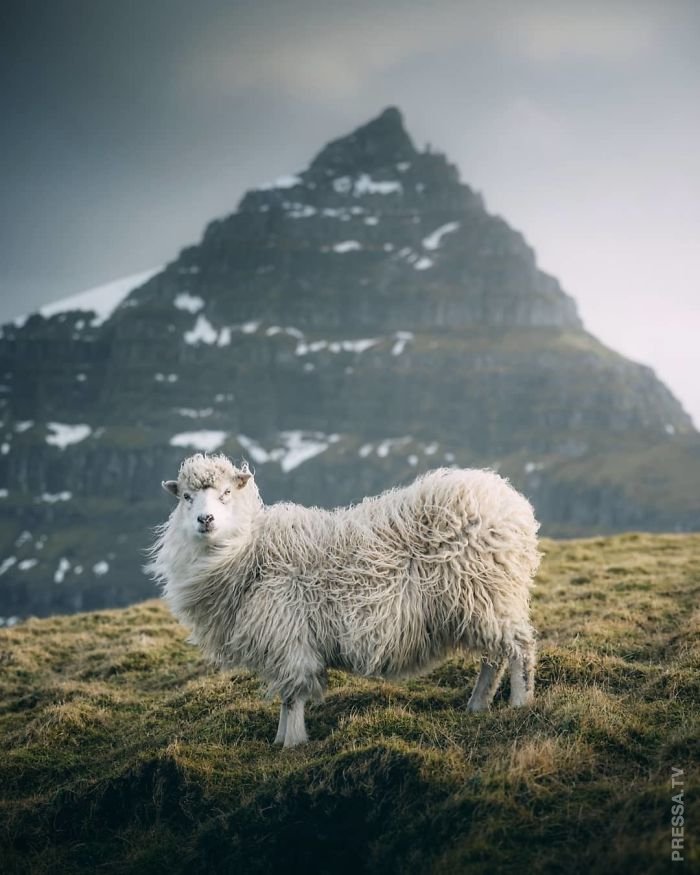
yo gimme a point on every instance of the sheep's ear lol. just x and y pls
(241, 479)
(170, 486)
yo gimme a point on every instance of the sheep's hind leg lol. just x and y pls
(295, 732)
(282, 725)
(487, 683)
(522, 674)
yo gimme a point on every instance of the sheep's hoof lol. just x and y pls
(278, 740)
(475, 707)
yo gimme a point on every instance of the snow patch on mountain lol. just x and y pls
(203, 332)
(364, 184)
(193, 413)
(298, 210)
(102, 300)
(190, 303)
(61, 570)
(206, 441)
(63, 435)
(287, 181)
(53, 497)
(347, 246)
(359, 345)
(423, 263)
(297, 448)
(402, 338)
(7, 563)
(432, 241)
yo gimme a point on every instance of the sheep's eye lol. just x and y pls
(227, 492)
(187, 496)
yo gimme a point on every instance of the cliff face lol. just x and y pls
(344, 329)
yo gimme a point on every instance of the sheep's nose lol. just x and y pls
(205, 518)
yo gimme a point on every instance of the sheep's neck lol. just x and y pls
(209, 579)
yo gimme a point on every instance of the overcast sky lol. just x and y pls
(127, 126)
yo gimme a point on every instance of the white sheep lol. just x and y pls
(382, 588)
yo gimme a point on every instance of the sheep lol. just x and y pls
(386, 587)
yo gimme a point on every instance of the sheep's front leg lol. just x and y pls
(282, 725)
(492, 668)
(296, 728)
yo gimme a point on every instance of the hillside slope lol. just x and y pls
(124, 753)
(345, 329)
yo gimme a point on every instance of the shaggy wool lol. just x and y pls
(385, 587)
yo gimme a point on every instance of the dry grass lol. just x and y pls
(123, 752)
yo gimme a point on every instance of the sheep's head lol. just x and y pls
(215, 498)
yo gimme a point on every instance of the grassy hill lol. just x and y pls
(123, 752)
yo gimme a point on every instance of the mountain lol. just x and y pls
(344, 329)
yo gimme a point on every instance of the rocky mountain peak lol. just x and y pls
(400, 240)
(381, 142)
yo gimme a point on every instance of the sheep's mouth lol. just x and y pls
(205, 528)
